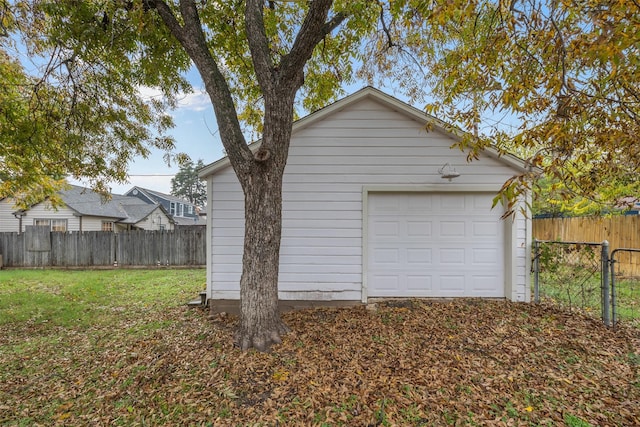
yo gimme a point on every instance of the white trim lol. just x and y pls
(527, 250)
(445, 187)
(510, 229)
(510, 259)
(209, 238)
(364, 293)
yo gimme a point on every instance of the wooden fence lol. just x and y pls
(619, 231)
(39, 247)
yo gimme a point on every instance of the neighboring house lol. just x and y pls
(367, 213)
(631, 205)
(182, 211)
(86, 210)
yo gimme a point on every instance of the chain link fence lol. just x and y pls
(585, 276)
(571, 274)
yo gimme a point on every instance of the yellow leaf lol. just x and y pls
(280, 375)
(63, 416)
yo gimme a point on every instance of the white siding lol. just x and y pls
(330, 162)
(94, 223)
(8, 222)
(154, 220)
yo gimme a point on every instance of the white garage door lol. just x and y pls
(434, 245)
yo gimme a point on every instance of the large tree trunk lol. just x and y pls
(260, 323)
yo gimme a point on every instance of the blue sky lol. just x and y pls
(195, 133)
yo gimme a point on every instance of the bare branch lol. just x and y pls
(390, 43)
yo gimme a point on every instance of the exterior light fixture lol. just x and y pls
(448, 172)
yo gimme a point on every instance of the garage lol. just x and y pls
(369, 213)
(434, 244)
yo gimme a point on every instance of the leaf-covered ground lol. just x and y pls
(462, 362)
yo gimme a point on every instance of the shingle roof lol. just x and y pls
(128, 210)
(87, 202)
(137, 212)
(180, 220)
(156, 194)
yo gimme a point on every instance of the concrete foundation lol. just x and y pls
(233, 306)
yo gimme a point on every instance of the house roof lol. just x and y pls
(86, 202)
(138, 212)
(388, 100)
(152, 194)
(127, 210)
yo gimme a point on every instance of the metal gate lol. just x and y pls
(625, 285)
(573, 274)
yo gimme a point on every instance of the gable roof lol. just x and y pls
(127, 210)
(86, 202)
(392, 103)
(138, 212)
(155, 195)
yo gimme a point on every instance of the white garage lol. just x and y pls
(434, 245)
(368, 212)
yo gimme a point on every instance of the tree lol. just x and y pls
(564, 73)
(564, 70)
(553, 198)
(252, 59)
(279, 73)
(187, 185)
(68, 115)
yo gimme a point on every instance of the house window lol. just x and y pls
(172, 208)
(54, 224)
(58, 225)
(107, 225)
(190, 209)
(41, 222)
(180, 209)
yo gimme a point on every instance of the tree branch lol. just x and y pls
(313, 30)
(259, 44)
(192, 38)
(385, 28)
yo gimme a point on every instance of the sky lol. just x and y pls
(195, 133)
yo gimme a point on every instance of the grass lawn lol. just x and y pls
(120, 348)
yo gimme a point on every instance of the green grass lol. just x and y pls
(65, 298)
(571, 276)
(577, 287)
(628, 299)
(119, 347)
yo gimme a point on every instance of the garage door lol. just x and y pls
(434, 245)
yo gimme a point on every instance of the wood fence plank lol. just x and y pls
(181, 247)
(620, 231)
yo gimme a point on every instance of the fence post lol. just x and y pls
(536, 271)
(606, 316)
(612, 262)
